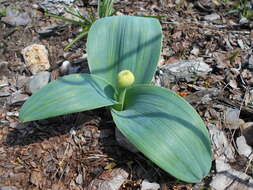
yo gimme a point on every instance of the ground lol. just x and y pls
(69, 152)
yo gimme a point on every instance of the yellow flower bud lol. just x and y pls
(125, 78)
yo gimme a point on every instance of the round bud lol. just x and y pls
(125, 78)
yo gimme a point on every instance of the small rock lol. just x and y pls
(75, 66)
(123, 142)
(243, 148)
(232, 118)
(243, 21)
(212, 17)
(186, 70)
(79, 179)
(55, 6)
(50, 30)
(221, 165)
(17, 98)
(12, 113)
(64, 69)
(146, 185)
(109, 180)
(36, 58)
(240, 43)
(38, 81)
(220, 144)
(250, 64)
(67, 2)
(16, 18)
(4, 94)
(231, 180)
(195, 51)
(203, 96)
(8, 188)
(18, 126)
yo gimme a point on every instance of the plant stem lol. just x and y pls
(121, 100)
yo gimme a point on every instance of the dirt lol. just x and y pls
(52, 153)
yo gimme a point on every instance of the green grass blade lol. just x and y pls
(105, 8)
(79, 37)
(76, 14)
(69, 94)
(66, 19)
(165, 128)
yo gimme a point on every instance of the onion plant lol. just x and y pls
(123, 52)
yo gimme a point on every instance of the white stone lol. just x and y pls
(231, 117)
(36, 58)
(220, 144)
(212, 17)
(116, 178)
(243, 148)
(187, 70)
(231, 180)
(38, 81)
(146, 185)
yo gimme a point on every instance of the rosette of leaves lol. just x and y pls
(123, 52)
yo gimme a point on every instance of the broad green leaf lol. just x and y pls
(124, 42)
(69, 94)
(165, 128)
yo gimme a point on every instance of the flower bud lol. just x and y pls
(125, 78)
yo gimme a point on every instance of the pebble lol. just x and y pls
(185, 70)
(36, 58)
(17, 98)
(220, 144)
(243, 148)
(79, 179)
(250, 63)
(64, 69)
(195, 51)
(38, 81)
(243, 21)
(4, 94)
(212, 17)
(18, 126)
(8, 188)
(230, 179)
(47, 30)
(232, 120)
(241, 44)
(221, 165)
(112, 181)
(146, 185)
(55, 6)
(16, 18)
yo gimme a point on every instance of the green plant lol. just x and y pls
(243, 7)
(105, 9)
(2, 12)
(123, 52)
